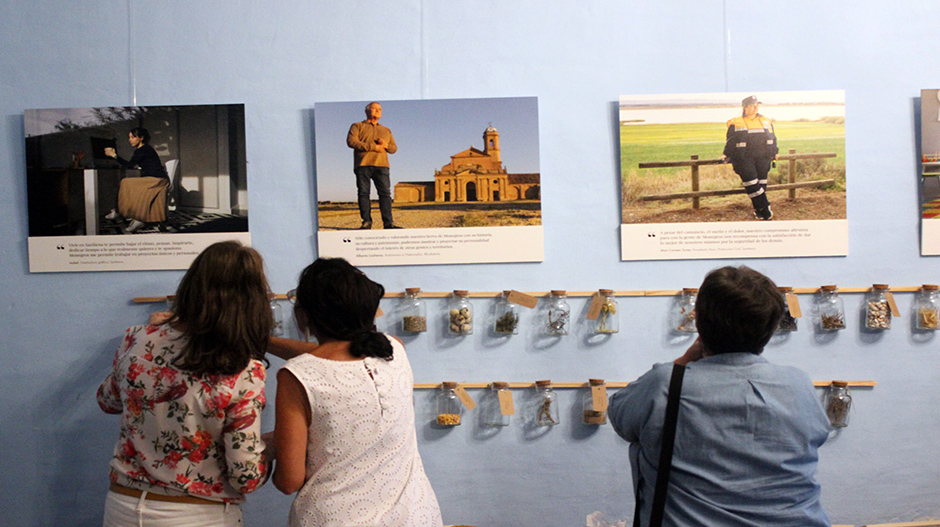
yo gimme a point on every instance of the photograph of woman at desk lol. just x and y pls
(141, 199)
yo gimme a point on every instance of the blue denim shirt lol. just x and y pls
(746, 443)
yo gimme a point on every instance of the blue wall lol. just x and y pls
(59, 331)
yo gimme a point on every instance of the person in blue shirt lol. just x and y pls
(748, 431)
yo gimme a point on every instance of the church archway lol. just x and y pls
(471, 191)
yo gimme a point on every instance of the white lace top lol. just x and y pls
(363, 466)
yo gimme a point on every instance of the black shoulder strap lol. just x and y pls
(665, 450)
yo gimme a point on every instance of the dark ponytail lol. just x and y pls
(340, 303)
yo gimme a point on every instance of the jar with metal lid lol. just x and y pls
(684, 311)
(507, 316)
(496, 413)
(788, 321)
(559, 313)
(838, 404)
(877, 311)
(594, 403)
(831, 309)
(547, 404)
(607, 320)
(277, 314)
(460, 314)
(449, 407)
(414, 312)
(928, 307)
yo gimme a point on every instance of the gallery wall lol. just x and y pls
(59, 330)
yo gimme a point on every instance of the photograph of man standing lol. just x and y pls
(371, 144)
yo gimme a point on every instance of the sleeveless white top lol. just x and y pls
(363, 466)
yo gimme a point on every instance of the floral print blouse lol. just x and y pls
(180, 433)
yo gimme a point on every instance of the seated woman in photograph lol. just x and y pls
(345, 422)
(141, 199)
(190, 392)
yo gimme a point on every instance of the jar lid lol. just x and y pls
(689, 290)
(930, 287)
(785, 289)
(412, 290)
(607, 292)
(449, 384)
(500, 385)
(506, 292)
(543, 384)
(840, 384)
(596, 382)
(880, 286)
(559, 292)
(461, 292)
(829, 288)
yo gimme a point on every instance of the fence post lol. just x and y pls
(695, 201)
(793, 174)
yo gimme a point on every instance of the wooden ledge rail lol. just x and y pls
(930, 523)
(563, 385)
(571, 294)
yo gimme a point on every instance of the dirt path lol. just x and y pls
(334, 217)
(809, 205)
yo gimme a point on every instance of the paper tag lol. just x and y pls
(894, 307)
(793, 304)
(506, 406)
(522, 299)
(379, 312)
(464, 397)
(594, 311)
(599, 397)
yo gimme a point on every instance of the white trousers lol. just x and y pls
(127, 511)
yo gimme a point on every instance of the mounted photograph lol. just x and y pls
(429, 181)
(742, 174)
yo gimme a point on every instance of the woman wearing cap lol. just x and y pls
(751, 147)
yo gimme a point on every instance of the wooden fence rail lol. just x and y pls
(791, 157)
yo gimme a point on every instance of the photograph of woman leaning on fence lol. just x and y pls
(684, 161)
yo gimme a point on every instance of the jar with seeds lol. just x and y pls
(546, 404)
(607, 320)
(449, 407)
(684, 311)
(787, 322)
(831, 309)
(877, 311)
(838, 404)
(594, 403)
(507, 316)
(414, 312)
(559, 313)
(928, 308)
(277, 314)
(494, 413)
(460, 314)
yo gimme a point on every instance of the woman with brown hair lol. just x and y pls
(190, 392)
(141, 199)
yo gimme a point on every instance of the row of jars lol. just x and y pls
(461, 322)
(498, 408)
(879, 306)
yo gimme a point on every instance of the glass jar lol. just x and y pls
(831, 309)
(507, 316)
(607, 320)
(449, 407)
(838, 404)
(277, 314)
(787, 322)
(877, 311)
(547, 404)
(460, 314)
(684, 315)
(559, 314)
(928, 307)
(414, 312)
(594, 403)
(494, 413)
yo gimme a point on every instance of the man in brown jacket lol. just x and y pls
(371, 144)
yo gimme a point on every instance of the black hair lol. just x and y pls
(340, 303)
(737, 310)
(142, 133)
